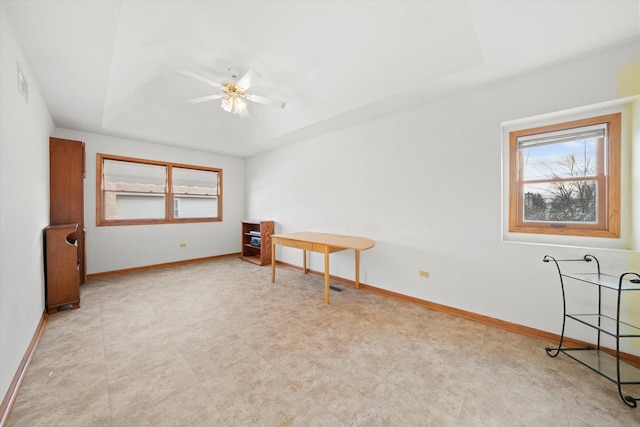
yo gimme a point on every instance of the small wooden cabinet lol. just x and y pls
(62, 266)
(256, 241)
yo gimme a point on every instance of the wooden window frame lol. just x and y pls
(168, 194)
(608, 200)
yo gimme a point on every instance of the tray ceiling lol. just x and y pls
(111, 66)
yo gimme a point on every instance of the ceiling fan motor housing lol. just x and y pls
(232, 89)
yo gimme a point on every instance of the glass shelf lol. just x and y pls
(606, 280)
(605, 364)
(607, 325)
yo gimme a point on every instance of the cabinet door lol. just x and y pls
(66, 180)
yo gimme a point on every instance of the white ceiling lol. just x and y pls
(110, 66)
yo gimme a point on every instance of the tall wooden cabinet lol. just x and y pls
(66, 197)
(256, 241)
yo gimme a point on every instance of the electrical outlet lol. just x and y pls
(183, 245)
(423, 273)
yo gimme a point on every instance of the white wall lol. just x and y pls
(120, 247)
(635, 172)
(24, 205)
(425, 184)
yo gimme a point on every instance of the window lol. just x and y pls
(565, 178)
(136, 191)
(194, 193)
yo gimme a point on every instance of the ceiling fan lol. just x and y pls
(233, 95)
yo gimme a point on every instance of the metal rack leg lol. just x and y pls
(629, 400)
(553, 352)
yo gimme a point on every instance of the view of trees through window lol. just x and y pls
(564, 178)
(560, 181)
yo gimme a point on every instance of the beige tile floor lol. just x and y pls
(216, 344)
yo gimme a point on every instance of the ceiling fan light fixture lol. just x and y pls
(234, 95)
(226, 104)
(240, 106)
(233, 104)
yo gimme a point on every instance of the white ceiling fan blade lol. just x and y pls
(246, 81)
(204, 98)
(267, 101)
(199, 77)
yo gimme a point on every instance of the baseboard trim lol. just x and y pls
(157, 266)
(491, 321)
(12, 392)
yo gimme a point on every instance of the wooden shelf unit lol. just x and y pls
(262, 230)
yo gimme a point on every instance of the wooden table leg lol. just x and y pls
(273, 262)
(357, 269)
(304, 261)
(326, 276)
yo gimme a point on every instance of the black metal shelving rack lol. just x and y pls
(608, 365)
